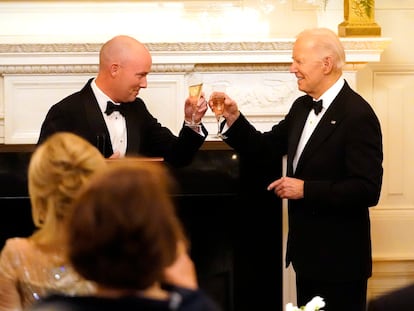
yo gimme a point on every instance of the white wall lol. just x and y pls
(388, 85)
(152, 21)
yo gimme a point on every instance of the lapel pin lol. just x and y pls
(333, 122)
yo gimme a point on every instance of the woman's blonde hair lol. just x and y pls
(58, 168)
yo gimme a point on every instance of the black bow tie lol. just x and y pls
(111, 107)
(317, 106)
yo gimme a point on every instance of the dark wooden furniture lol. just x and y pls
(234, 225)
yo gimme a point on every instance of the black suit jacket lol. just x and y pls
(329, 229)
(80, 113)
(401, 299)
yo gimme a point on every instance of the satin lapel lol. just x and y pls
(132, 126)
(298, 123)
(96, 122)
(329, 123)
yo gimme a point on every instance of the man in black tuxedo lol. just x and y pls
(400, 299)
(334, 173)
(108, 113)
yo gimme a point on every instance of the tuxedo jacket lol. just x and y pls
(401, 299)
(79, 113)
(341, 165)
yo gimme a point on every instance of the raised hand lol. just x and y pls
(195, 109)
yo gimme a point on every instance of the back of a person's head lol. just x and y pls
(124, 230)
(57, 170)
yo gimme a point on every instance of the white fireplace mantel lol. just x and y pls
(35, 76)
(358, 50)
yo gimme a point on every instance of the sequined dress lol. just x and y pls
(28, 273)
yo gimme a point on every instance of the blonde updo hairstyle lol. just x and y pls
(58, 168)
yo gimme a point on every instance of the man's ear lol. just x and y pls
(328, 64)
(114, 69)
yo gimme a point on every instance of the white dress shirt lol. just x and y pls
(313, 119)
(115, 122)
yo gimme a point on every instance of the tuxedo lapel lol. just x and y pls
(133, 134)
(296, 131)
(101, 138)
(328, 123)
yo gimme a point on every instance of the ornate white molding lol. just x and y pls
(84, 69)
(47, 69)
(54, 57)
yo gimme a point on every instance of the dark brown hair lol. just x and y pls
(124, 230)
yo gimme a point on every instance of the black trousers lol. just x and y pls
(338, 296)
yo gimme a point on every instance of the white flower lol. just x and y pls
(314, 305)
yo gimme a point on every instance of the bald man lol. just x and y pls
(109, 114)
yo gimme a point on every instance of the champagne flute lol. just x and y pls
(194, 90)
(217, 106)
(195, 93)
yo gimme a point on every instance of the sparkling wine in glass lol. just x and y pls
(217, 106)
(194, 90)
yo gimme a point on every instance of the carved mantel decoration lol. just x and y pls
(173, 57)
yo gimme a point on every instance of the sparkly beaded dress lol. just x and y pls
(28, 273)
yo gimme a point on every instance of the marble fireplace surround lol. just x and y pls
(35, 76)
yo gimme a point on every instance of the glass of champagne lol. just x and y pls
(194, 90)
(217, 106)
